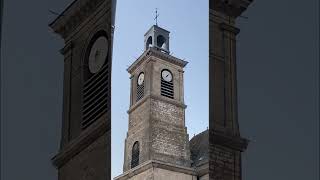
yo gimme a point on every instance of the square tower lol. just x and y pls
(157, 142)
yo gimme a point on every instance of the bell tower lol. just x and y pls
(85, 26)
(157, 142)
(158, 38)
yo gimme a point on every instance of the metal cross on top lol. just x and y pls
(157, 15)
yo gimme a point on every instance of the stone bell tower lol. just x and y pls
(157, 143)
(226, 143)
(85, 151)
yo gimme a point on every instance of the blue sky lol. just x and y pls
(187, 22)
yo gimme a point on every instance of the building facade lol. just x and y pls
(85, 149)
(226, 143)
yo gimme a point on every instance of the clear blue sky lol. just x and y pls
(187, 22)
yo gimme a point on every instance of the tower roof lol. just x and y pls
(199, 145)
(154, 27)
(157, 37)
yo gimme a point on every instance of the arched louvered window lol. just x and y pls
(135, 155)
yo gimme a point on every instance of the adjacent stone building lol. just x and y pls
(85, 150)
(226, 143)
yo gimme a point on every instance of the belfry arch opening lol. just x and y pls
(149, 42)
(161, 42)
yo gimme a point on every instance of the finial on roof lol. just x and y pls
(156, 18)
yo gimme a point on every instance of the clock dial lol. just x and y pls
(140, 78)
(166, 75)
(98, 54)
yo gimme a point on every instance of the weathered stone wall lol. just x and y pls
(169, 138)
(138, 131)
(160, 174)
(177, 73)
(73, 68)
(205, 177)
(171, 115)
(163, 174)
(89, 164)
(226, 143)
(84, 154)
(225, 163)
(157, 122)
(146, 175)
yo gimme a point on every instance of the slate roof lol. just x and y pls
(199, 146)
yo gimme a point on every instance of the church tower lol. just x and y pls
(85, 151)
(157, 142)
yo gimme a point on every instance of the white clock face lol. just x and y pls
(140, 78)
(98, 54)
(166, 75)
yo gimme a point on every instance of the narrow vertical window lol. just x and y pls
(135, 155)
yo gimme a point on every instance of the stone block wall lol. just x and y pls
(225, 163)
(170, 141)
(89, 164)
(138, 131)
(164, 174)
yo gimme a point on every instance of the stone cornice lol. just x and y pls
(156, 97)
(156, 53)
(226, 140)
(232, 8)
(229, 28)
(203, 168)
(93, 132)
(155, 164)
(66, 48)
(73, 15)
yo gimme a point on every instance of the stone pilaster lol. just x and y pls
(226, 144)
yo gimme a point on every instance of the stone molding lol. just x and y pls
(74, 15)
(66, 48)
(234, 142)
(156, 97)
(156, 53)
(232, 8)
(155, 164)
(202, 169)
(229, 28)
(86, 137)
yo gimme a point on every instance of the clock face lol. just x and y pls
(98, 54)
(140, 78)
(166, 75)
